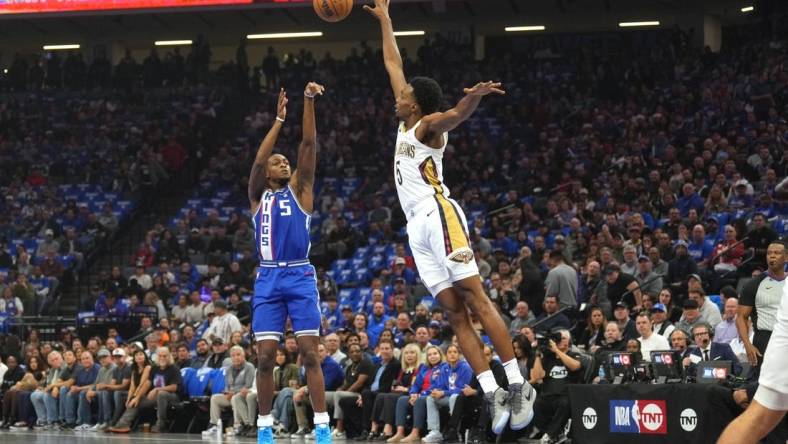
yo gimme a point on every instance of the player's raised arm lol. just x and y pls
(304, 177)
(438, 123)
(257, 177)
(391, 57)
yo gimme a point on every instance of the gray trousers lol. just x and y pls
(244, 409)
(162, 403)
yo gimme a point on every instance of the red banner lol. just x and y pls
(40, 6)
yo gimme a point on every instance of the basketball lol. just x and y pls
(332, 10)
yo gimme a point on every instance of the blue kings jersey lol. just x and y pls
(281, 227)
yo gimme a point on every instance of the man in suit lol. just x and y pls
(712, 351)
(358, 410)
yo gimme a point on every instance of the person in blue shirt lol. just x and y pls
(454, 375)
(83, 378)
(426, 378)
(700, 248)
(110, 305)
(376, 323)
(690, 199)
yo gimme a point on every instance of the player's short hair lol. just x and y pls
(428, 94)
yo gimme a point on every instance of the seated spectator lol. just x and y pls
(522, 317)
(195, 312)
(332, 379)
(594, 333)
(139, 388)
(624, 321)
(556, 369)
(109, 305)
(709, 312)
(359, 411)
(358, 376)
(77, 407)
(680, 268)
(550, 319)
(45, 398)
(728, 253)
(661, 324)
(420, 389)
(649, 341)
(201, 354)
(725, 331)
(285, 384)
(454, 375)
(10, 304)
(98, 393)
(238, 380)
(118, 389)
(223, 325)
(471, 400)
(383, 410)
(15, 398)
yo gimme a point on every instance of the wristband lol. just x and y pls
(311, 96)
(280, 119)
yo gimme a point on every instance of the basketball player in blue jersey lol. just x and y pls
(437, 229)
(281, 205)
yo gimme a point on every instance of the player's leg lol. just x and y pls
(468, 284)
(470, 343)
(268, 323)
(304, 310)
(751, 426)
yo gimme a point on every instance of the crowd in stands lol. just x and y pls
(650, 204)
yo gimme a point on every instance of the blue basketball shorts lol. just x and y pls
(283, 292)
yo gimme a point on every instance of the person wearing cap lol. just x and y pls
(625, 323)
(649, 282)
(224, 323)
(48, 244)
(679, 269)
(400, 269)
(622, 287)
(709, 312)
(99, 391)
(121, 380)
(741, 197)
(219, 357)
(690, 317)
(660, 322)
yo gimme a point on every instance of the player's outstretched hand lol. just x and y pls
(312, 89)
(484, 88)
(380, 11)
(281, 104)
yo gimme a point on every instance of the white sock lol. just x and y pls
(513, 372)
(265, 421)
(322, 418)
(487, 381)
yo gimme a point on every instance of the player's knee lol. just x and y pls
(266, 361)
(310, 358)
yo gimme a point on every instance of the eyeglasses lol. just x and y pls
(701, 333)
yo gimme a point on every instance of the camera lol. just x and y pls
(543, 341)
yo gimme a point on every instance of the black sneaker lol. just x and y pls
(451, 436)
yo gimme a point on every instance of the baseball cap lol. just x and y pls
(102, 353)
(659, 307)
(712, 219)
(435, 324)
(689, 303)
(346, 307)
(742, 183)
(195, 230)
(644, 258)
(217, 340)
(138, 344)
(680, 243)
(399, 279)
(220, 303)
(622, 304)
(49, 232)
(399, 261)
(696, 277)
(118, 352)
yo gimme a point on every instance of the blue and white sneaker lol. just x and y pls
(322, 434)
(265, 435)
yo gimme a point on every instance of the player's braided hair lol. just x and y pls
(428, 94)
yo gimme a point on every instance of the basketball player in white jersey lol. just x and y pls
(437, 229)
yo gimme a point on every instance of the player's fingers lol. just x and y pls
(369, 9)
(466, 90)
(498, 91)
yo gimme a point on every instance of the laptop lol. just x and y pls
(713, 371)
(667, 366)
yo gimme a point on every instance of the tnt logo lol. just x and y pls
(688, 420)
(589, 418)
(640, 416)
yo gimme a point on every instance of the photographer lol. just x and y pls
(556, 367)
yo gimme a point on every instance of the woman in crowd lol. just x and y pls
(17, 398)
(426, 377)
(666, 299)
(594, 333)
(383, 411)
(455, 375)
(524, 353)
(285, 382)
(138, 390)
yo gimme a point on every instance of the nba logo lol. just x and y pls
(648, 417)
(624, 359)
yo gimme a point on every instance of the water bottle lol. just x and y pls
(601, 373)
(219, 429)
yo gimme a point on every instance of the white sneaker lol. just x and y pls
(336, 434)
(83, 428)
(233, 432)
(434, 436)
(212, 431)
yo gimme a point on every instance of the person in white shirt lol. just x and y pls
(332, 347)
(223, 324)
(661, 325)
(649, 341)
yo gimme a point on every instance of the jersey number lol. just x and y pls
(399, 175)
(284, 205)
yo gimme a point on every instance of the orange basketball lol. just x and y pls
(332, 10)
